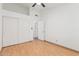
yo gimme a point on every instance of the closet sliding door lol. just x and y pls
(10, 30)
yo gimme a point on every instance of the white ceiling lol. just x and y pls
(29, 5)
(46, 4)
(26, 4)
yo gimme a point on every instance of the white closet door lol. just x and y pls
(10, 28)
(25, 32)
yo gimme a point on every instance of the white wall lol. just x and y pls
(62, 25)
(16, 7)
(0, 27)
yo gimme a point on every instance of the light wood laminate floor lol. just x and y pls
(37, 48)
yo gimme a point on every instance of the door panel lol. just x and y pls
(41, 30)
(25, 32)
(10, 30)
(17, 28)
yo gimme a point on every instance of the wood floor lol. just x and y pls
(37, 48)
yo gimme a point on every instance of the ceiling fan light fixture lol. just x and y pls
(42, 4)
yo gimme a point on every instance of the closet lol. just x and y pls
(16, 26)
(10, 30)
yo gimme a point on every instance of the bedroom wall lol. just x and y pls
(62, 25)
(0, 26)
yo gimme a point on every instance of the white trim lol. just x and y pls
(13, 14)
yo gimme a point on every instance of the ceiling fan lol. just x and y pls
(42, 4)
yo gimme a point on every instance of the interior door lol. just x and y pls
(10, 30)
(41, 30)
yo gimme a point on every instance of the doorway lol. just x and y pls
(39, 30)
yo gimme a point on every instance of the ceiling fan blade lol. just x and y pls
(43, 5)
(33, 4)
